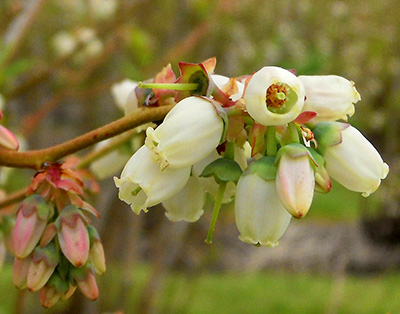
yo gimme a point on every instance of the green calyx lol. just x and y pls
(294, 150)
(36, 202)
(264, 167)
(48, 253)
(193, 74)
(69, 216)
(55, 280)
(223, 170)
(328, 133)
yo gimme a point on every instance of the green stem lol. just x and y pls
(171, 86)
(217, 207)
(294, 133)
(34, 159)
(271, 141)
(230, 150)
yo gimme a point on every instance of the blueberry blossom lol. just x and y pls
(259, 213)
(274, 96)
(142, 183)
(189, 132)
(125, 96)
(331, 97)
(350, 158)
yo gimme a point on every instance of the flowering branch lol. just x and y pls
(35, 158)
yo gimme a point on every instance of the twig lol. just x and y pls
(94, 155)
(34, 159)
(13, 198)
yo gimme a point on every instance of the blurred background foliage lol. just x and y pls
(58, 61)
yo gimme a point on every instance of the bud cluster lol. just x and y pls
(268, 141)
(56, 248)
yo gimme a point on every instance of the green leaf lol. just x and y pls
(264, 167)
(223, 170)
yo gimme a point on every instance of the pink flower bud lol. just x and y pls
(73, 235)
(8, 139)
(49, 295)
(295, 179)
(48, 234)
(42, 266)
(31, 221)
(86, 282)
(20, 272)
(52, 292)
(96, 252)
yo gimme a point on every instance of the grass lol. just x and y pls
(280, 292)
(252, 293)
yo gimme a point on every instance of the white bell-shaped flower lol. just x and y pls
(274, 96)
(260, 216)
(188, 203)
(124, 95)
(189, 132)
(355, 163)
(331, 97)
(142, 184)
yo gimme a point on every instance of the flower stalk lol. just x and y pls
(171, 86)
(217, 207)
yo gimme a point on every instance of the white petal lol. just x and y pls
(157, 186)
(330, 96)
(355, 163)
(190, 131)
(123, 96)
(188, 203)
(259, 214)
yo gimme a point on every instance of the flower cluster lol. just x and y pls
(268, 141)
(56, 248)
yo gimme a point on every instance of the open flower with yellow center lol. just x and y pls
(274, 96)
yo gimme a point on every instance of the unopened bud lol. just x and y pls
(86, 282)
(20, 272)
(8, 139)
(51, 293)
(96, 253)
(42, 266)
(31, 221)
(73, 235)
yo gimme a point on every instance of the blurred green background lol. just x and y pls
(58, 62)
